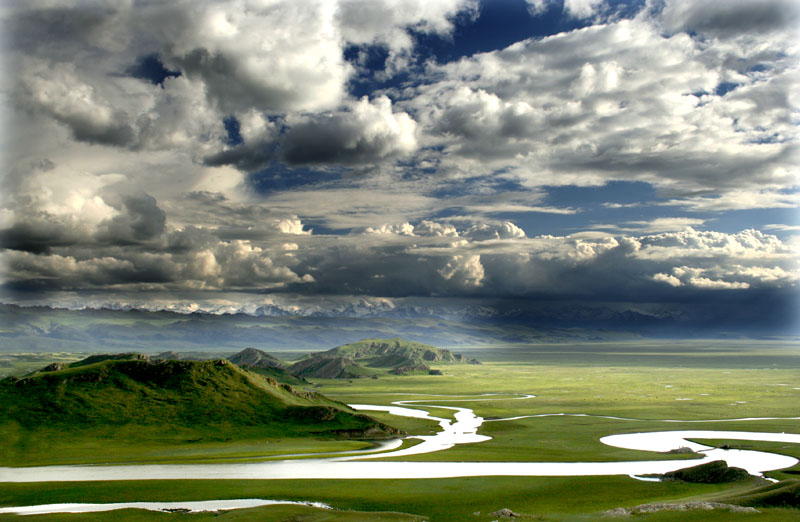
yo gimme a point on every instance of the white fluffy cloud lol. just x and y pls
(619, 101)
(574, 8)
(385, 22)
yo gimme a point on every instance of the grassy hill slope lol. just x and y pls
(256, 358)
(266, 365)
(368, 356)
(785, 493)
(164, 396)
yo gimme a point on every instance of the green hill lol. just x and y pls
(92, 359)
(266, 365)
(785, 493)
(256, 358)
(327, 367)
(374, 356)
(207, 398)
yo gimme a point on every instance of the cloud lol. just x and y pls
(485, 232)
(427, 259)
(782, 227)
(732, 18)
(292, 226)
(57, 91)
(403, 229)
(386, 23)
(663, 224)
(618, 101)
(278, 57)
(573, 8)
(141, 220)
(465, 271)
(365, 133)
(737, 200)
(193, 261)
(118, 181)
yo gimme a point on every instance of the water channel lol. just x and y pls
(462, 429)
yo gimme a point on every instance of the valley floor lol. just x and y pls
(648, 387)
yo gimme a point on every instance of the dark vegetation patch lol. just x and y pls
(717, 472)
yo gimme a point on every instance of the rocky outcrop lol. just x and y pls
(684, 506)
(504, 513)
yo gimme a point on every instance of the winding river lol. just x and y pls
(463, 429)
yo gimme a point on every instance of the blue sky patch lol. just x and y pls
(150, 68)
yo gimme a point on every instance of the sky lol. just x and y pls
(196, 155)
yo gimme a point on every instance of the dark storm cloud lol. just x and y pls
(248, 158)
(115, 132)
(55, 31)
(37, 236)
(141, 220)
(138, 219)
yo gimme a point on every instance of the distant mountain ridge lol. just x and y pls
(167, 395)
(266, 365)
(361, 358)
(256, 358)
(55, 329)
(308, 325)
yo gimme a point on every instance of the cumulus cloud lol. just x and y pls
(140, 130)
(466, 271)
(141, 220)
(278, 56)
(618, 101)
(386, 23)
(58, 92)
(485, 231)
(365, 133)
(426, 259)
(292, 226)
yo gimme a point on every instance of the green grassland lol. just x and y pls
(446, 500)
(262, 514)
(130, 410)
(649, 385)
(16, 364)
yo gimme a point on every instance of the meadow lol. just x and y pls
(646, 383)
